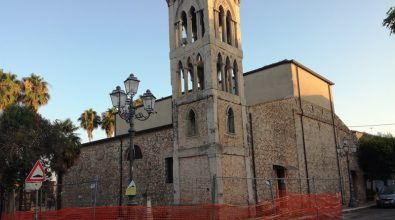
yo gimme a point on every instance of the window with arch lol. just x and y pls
(203, 28)
(191, 76)
(184, 29)
(192, 126)
(231, 121)
(220, 74)
(180, 79)
(200, 72)
(228, 76)
(235, 83)
(221, 24)
(192, 14)
(229, 22)
(137, 153)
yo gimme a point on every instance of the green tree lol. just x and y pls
(64, 150)
(23, 141)
(108, 121)
(34, 91)
(89, 120)
(377, 156)
(389, 21)
(9, 89)
(26, 137)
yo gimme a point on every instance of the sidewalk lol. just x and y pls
(363, 206)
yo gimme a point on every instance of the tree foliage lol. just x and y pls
(25, 137)
(377, 156)
(31, 91)
(89, 120)
(389, 21)
(9, 89)
(34, 91)
(108, 121)
(65, 145)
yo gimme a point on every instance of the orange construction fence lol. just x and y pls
(292, 206)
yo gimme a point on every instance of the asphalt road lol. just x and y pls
(372, 213)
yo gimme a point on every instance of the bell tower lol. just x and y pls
(211, 153)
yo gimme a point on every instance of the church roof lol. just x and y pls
(290, 62)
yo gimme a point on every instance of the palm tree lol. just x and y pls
(65, 149)
(34, 91)
(389, 21)
(9, 89)
(108, 121)
(89, 120)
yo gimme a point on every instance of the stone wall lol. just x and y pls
(200, 109)
(101, 160)
(285, 133)
(274, 142)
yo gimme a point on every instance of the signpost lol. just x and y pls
(131, 190)
(34, 181)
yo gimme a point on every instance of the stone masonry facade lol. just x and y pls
(231, 137)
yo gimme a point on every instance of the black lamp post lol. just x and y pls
(124, 103)
(347, 150)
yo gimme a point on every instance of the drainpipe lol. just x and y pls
(336, 144)
(253, 160)
(302, 127)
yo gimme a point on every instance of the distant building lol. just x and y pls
(224, 136)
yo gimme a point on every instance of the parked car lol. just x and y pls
(386, 196)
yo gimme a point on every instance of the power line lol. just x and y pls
(376, 125)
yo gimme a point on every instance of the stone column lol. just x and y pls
(230, 81)
(232, 41)
(186, 72)
(224, 28)
(195, 78)
(189, 29)
(216, 24)
(223, 82)
(236, 42)
(180, 33)
(179, 81)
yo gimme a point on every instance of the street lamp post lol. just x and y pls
(124, 103)
(347, 150)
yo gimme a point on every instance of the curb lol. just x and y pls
(348, 210)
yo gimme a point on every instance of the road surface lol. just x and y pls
(372, 213)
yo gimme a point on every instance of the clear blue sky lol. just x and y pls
(83, 49)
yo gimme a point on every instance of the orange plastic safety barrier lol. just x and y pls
(291, 206)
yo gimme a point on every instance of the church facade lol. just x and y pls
(225, 136)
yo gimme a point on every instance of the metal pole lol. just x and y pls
(131, 146)
(36, 209)
(95, 198)
(120, 172)
(120, 155)
(351, 202)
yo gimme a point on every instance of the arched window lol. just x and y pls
(192, 129)
(221, 24)
(235, 83)
(180, 79)
(192, 14)
(191, 76)
(229, 28)
(137, 153)
(184, 23)
(228, 75)
(220, 74)
(200, 73)
(231, 121)
(203, 28)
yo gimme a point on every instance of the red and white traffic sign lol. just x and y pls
(37, 174)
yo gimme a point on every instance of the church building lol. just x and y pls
(224, 136)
